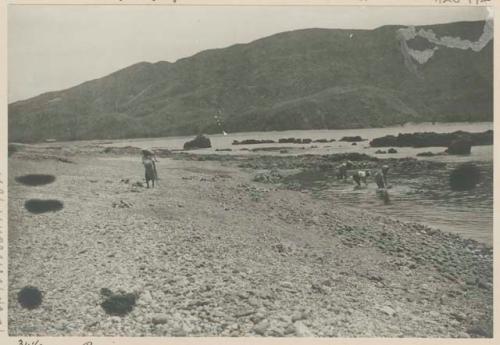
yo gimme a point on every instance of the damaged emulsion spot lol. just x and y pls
(35, 179)
(38, 206)
(414, 48)
(29, 297)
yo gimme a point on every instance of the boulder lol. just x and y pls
(459, 147)
(379, 152)
(200, 142)
(392, 150)
(464, 177)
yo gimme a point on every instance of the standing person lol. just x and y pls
(381, 177)
(148, 160)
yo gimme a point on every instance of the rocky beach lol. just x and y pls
(223, 247)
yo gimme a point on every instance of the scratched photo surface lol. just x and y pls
(250, 171)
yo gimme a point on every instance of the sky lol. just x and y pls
(55, 47)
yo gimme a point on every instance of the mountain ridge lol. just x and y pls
(301, 79)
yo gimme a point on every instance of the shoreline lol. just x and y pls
(191, 247)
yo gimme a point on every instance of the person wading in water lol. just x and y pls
(381, 180)
(148, 160)
(381, 177)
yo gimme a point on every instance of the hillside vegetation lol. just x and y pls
(305, 79)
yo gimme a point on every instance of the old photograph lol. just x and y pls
(250, 171)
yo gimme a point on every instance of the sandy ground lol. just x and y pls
(210, 252)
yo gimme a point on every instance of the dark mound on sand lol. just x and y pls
(465, 177)
(118, 304)
(38, 206)
(29, 297)
(35, 179)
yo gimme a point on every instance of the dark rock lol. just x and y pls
(252, 142)
(352, 139)
(288, 141)
(428, 139)
(354, 144)
(321, 141)
(106, 292)
(294, 141)
(350, 156)
(29, 297)
(380, 152)
(464, 177)
(392, 150)
(459, 147)
(159, 319)
(426, 154)
(132, 150)
(220, 150)
(200, 142)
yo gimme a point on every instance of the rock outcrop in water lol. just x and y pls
(294, 141)
(428, 139)
(200, 142)
(464, 177)
(459, 147)
(356, 138)
(252, 142)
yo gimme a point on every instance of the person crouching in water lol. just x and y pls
(342, 173)
(381, 177)
(360, 176)
(148, 160)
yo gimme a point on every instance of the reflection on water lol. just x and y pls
(419, 196)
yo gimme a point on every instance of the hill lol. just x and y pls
(304, 79)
